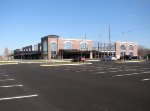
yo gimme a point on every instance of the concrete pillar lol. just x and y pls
(91, 55)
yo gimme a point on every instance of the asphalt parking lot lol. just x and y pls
(101, 86)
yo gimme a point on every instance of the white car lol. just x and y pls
(113, 58)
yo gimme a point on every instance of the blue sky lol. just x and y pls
(24, 22)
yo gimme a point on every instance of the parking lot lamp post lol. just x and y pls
(126, 35)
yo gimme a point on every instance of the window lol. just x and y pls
(131, 53)
(67, 45)
(53, 46)
(45, 45)
(83, 46)
(130, 47)
(122, 47)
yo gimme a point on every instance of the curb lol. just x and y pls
(8, 63)
(65, 64)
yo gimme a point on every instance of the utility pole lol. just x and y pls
(126, 35)
(99, 45)
(109, 41)
(85, 36)
(98, 49)
(109, 33)
(104, 50)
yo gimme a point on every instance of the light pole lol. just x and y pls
(126, 35)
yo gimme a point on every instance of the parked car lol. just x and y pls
(109, 58)
(113, 58)
(129, 57)
(136, 58)
(79, 59)
(126, 57)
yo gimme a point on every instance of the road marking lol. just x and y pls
(112, 71)
(99, 69)
(67, 69)
(3, 75)
(118, 75)
(99, 72)
(113, 68)
(11, 86)
(91, 70)
(146, 72)
(145, 79)
(132, 74)
(81, 71)
(18, 97)
(125, 75)
(145, 68)
(130, 70)
(7, 80)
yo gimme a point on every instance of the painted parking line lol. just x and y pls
(7, 80)
(145, 68)
(132, 74)
(120, 70)
(11, 86)
(91, 70)
(99, 69)
(112, 68)
(113, 71)
(125, 74)
(99, 73)
(130, 69)
(145, 79)
(3, 75)
(67, 69)
(146, 72)
(18, 97)
(81, 71)
(119, 75)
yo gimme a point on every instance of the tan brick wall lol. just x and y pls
(127, 51)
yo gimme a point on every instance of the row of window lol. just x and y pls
(123, 47)
(67, 45)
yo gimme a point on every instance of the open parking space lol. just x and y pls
(101, 86)
(112, 70)
(18, 97)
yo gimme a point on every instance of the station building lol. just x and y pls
(54, 47)
(126, 48)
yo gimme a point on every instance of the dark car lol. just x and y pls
(136, 58)
(126, 57)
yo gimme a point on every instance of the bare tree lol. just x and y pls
(143, 52)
